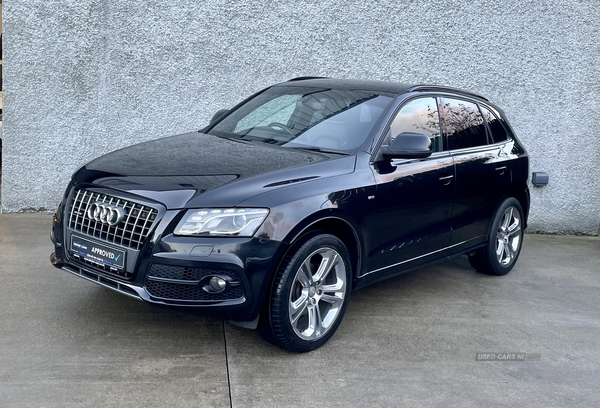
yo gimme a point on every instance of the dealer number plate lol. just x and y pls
(97, 253)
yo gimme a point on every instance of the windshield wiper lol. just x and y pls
(318, 149)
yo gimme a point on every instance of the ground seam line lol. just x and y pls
(227, 366)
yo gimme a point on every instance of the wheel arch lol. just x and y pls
(522, 196)
(337, 225)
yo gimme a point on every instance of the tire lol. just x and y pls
(500, 254)
(309, 295)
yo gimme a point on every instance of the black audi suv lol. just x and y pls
(306, 191)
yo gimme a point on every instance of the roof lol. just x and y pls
(381, 87)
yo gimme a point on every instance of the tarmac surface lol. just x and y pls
(411, 341)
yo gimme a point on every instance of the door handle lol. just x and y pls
(501, 169)
(449, 178)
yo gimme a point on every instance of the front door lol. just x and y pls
(412, 221)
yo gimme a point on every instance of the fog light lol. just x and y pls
(215, 284)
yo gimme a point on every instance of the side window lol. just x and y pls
(419, 116)
(463, 123)
(497, 130)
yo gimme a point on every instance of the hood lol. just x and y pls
(177, 170)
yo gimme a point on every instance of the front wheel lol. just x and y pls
(310, 294)
(505, 240)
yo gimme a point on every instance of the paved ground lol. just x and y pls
(410, 341)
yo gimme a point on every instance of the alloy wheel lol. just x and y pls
(317, 294)
(508, 237)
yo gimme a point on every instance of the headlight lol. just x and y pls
(237, 222)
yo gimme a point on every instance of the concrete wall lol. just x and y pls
(83, 77)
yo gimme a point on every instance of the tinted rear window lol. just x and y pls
(498, 132)
(463, 124)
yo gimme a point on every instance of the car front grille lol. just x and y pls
(179, 283)
(131, 232)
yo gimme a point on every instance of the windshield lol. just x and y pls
(302, 117)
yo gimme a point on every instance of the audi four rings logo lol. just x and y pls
(105, 213)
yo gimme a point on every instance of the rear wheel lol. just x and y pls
(310, 294)
(504, 243)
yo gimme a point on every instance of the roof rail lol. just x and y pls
(440, 88)
(304, 77)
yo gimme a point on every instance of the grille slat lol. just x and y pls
(83, 215)
(135, 227)
(132, 232)
(125, 224)
(73, 212)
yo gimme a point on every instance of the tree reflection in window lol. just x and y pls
(463, 123)
(419, 116)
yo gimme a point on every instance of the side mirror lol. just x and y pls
(408, 145)
(218, 115)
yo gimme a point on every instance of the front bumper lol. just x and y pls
(170, 270)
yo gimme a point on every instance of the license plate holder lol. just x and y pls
(105, 256)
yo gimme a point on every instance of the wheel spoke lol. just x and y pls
(506, 219)
(304, 276)
(333, 300)
(336, 287)
(328, 261)
(318, 322)
(514, 230)
(500, 251)
(315, 327)
(515, 243)
(298, 308)
(510, 253)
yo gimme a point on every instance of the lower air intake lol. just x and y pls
(179, 283)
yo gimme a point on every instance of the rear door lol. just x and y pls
(483, 174)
